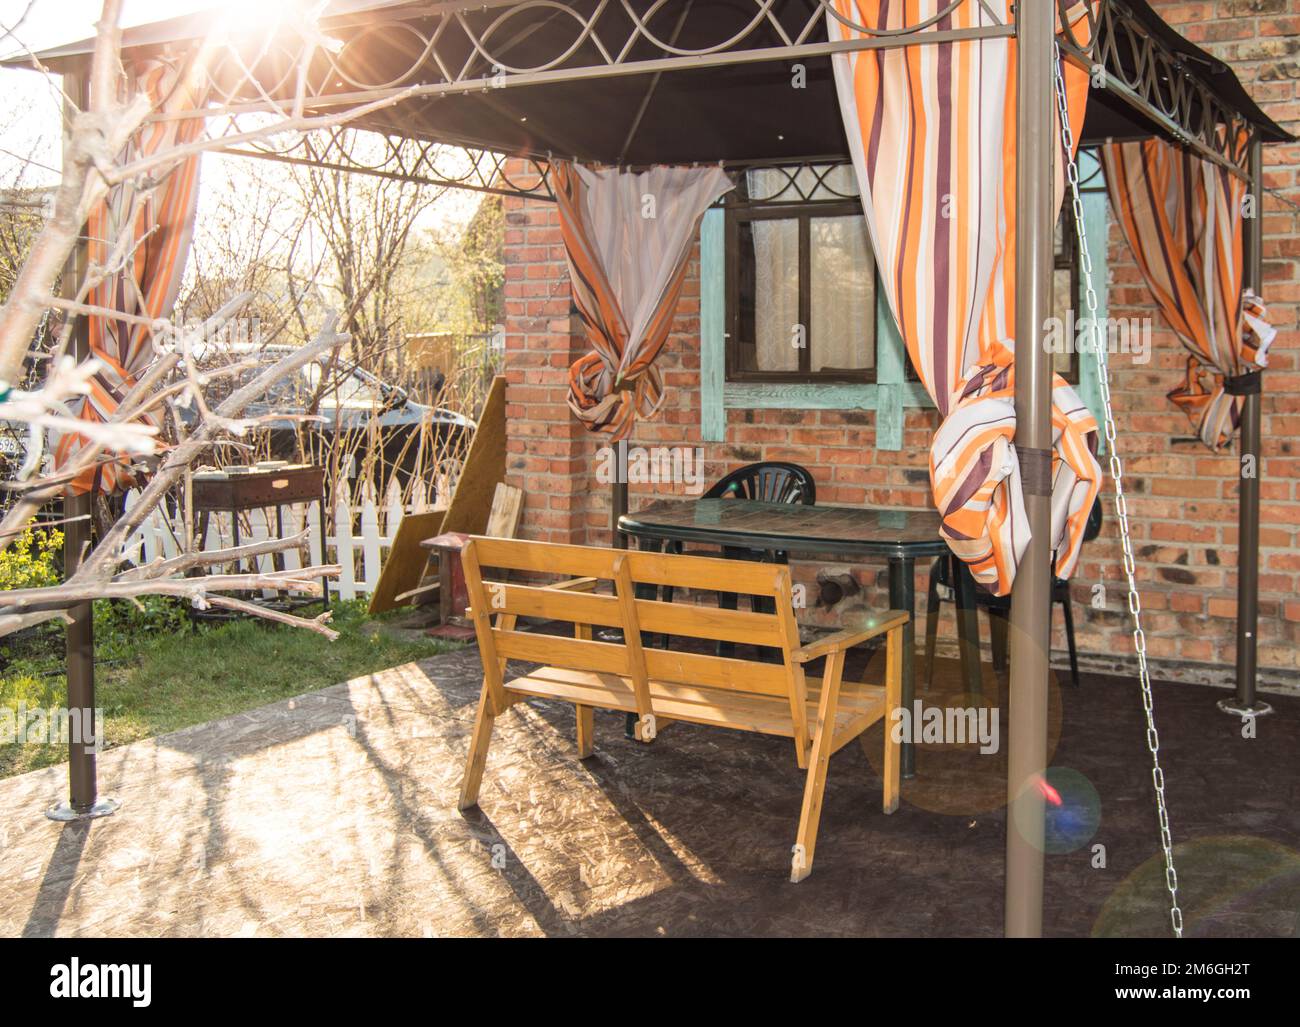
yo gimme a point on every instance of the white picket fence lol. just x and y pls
(359, 539)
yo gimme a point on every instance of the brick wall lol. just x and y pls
(1183, 497)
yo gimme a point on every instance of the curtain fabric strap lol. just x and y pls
(1035, 470)
(1248, 384)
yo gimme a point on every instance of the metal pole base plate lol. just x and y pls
(65, 813)
(1236, 708)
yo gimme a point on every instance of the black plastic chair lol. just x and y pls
(771, 482)
(943, 575)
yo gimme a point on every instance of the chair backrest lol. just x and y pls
(488, 560)
(1093, 528)
(772, 482)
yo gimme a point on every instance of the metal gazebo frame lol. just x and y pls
(487, 75)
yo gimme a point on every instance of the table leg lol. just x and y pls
(325, 582)
(278, 562)
(902, 596)
(200, 529)
(445, 586)
(642, 591)
(968, 627)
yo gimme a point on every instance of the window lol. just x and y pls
(1065, 291)
(800, 278)
(887, 384)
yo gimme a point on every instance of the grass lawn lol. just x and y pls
(157, 671)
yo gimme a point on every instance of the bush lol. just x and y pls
(122, 628)
(35, 690)
(32, 561)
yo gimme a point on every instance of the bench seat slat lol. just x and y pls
(768, 715)
(710, 622)
(549, 604)
(719, 672)
(699, 572)
(707, 573)
(663, 664)
(573, 653)
(655, 617)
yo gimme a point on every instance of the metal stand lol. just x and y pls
(66, 813)
(1245, 703)
(84, 801)
(618, 496)
(618, 540)
(1235, 707)
(1031, 599)
(260, 487)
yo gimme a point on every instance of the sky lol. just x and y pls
(30, 104)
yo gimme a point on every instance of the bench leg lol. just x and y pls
(586, 727)
(805, 842)
(478, 750)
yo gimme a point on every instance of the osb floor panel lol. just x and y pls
(334, 814)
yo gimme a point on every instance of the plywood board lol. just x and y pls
(507, 506)
(405, 566)
(485, 467)
(483, 472)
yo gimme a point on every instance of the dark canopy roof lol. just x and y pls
(1109, 117)
(737, 113)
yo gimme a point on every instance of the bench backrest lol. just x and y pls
(496, 604)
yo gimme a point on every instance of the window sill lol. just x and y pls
(816, 395)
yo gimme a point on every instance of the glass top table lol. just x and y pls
(843, 530)
(898, 534)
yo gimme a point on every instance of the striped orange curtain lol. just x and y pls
(932, 133)
(628, 237)
(1183, 216)
(146, 286)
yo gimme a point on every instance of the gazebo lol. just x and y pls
(630, 84)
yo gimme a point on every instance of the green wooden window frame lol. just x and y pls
(891, 394)
(737, 218)
(1096, 228)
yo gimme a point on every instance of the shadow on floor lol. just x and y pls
(334, 814)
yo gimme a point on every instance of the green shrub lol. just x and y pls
(32, 559)
(123, 627)
(19, 685)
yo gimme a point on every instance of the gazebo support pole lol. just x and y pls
(1245, 703)
(84, 801)
(618, 498)
(1031, 594)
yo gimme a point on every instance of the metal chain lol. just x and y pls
(1100, 351)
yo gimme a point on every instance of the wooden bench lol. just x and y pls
(821, 715)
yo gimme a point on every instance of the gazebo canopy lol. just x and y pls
(638, 82)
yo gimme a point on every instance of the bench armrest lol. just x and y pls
(870, 627)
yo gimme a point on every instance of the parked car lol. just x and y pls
(353, 403)
(13, 453)
(15, 437)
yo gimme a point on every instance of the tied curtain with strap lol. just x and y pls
(931, 129)
(156, 224)
(1183, 218)
(628, 237)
